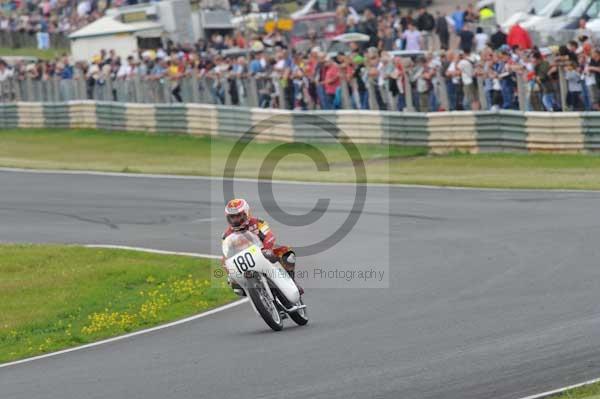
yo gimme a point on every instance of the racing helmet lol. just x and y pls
(237, 212)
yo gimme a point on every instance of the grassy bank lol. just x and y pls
(140, 153)
(48, 54)
(587, 392)
(54, 297)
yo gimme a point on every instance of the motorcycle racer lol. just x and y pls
(237, 213)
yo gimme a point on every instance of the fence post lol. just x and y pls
(227, 95)
(99, 90)
(242, 93)
(346, 103)
(17, 89)
(56, 89)
(96, 90)
(149, 92)
(443, 90)
(562, 84)
(156, 87)
(129, 90)
(355, 94)
(206, 96)
(195, 88)
(252, 92)
(4, 91)
(82, 88)
(408, 93)
(281, 93)
(45, 91)
(28, 89)
(390, 97)
(117, 89)
(50, 90)
(138, 89)
(109, 88)
(166, 90)
(522, 92)
(38, 91)
(481, 93)
(372, 99)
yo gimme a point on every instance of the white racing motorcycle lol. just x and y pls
(273, 293)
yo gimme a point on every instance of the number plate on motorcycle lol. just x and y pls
(243, 261)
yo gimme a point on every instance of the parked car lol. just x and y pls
(593, 24)
(323, 25)
(583, 9)
(508, 12)
(539, 12)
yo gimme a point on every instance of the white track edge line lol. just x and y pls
(290, 182)
(152, 251)
(140, 332)
(561, 390)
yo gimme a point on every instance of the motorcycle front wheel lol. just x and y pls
(264, 305)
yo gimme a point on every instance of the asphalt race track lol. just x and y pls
(487, 294)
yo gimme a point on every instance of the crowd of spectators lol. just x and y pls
(53, 16)
(455, 64)
(66, 16)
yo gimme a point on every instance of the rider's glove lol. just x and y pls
(270, 255)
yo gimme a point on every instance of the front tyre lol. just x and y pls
(264, 305)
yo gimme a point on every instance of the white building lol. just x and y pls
(127, 29)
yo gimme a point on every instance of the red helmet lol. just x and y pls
(237, 212)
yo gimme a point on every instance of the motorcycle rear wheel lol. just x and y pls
(265, 306)
(300, 316)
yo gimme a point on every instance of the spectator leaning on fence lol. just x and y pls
(5, 72)
(543, 72)
(594, 70)
(467, 76)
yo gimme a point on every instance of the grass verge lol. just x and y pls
(48, 54)
(186, 155)
(591, 391)
(55, 297)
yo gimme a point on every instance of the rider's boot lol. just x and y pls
(237, 289)
(289, 263)
(291, 274)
